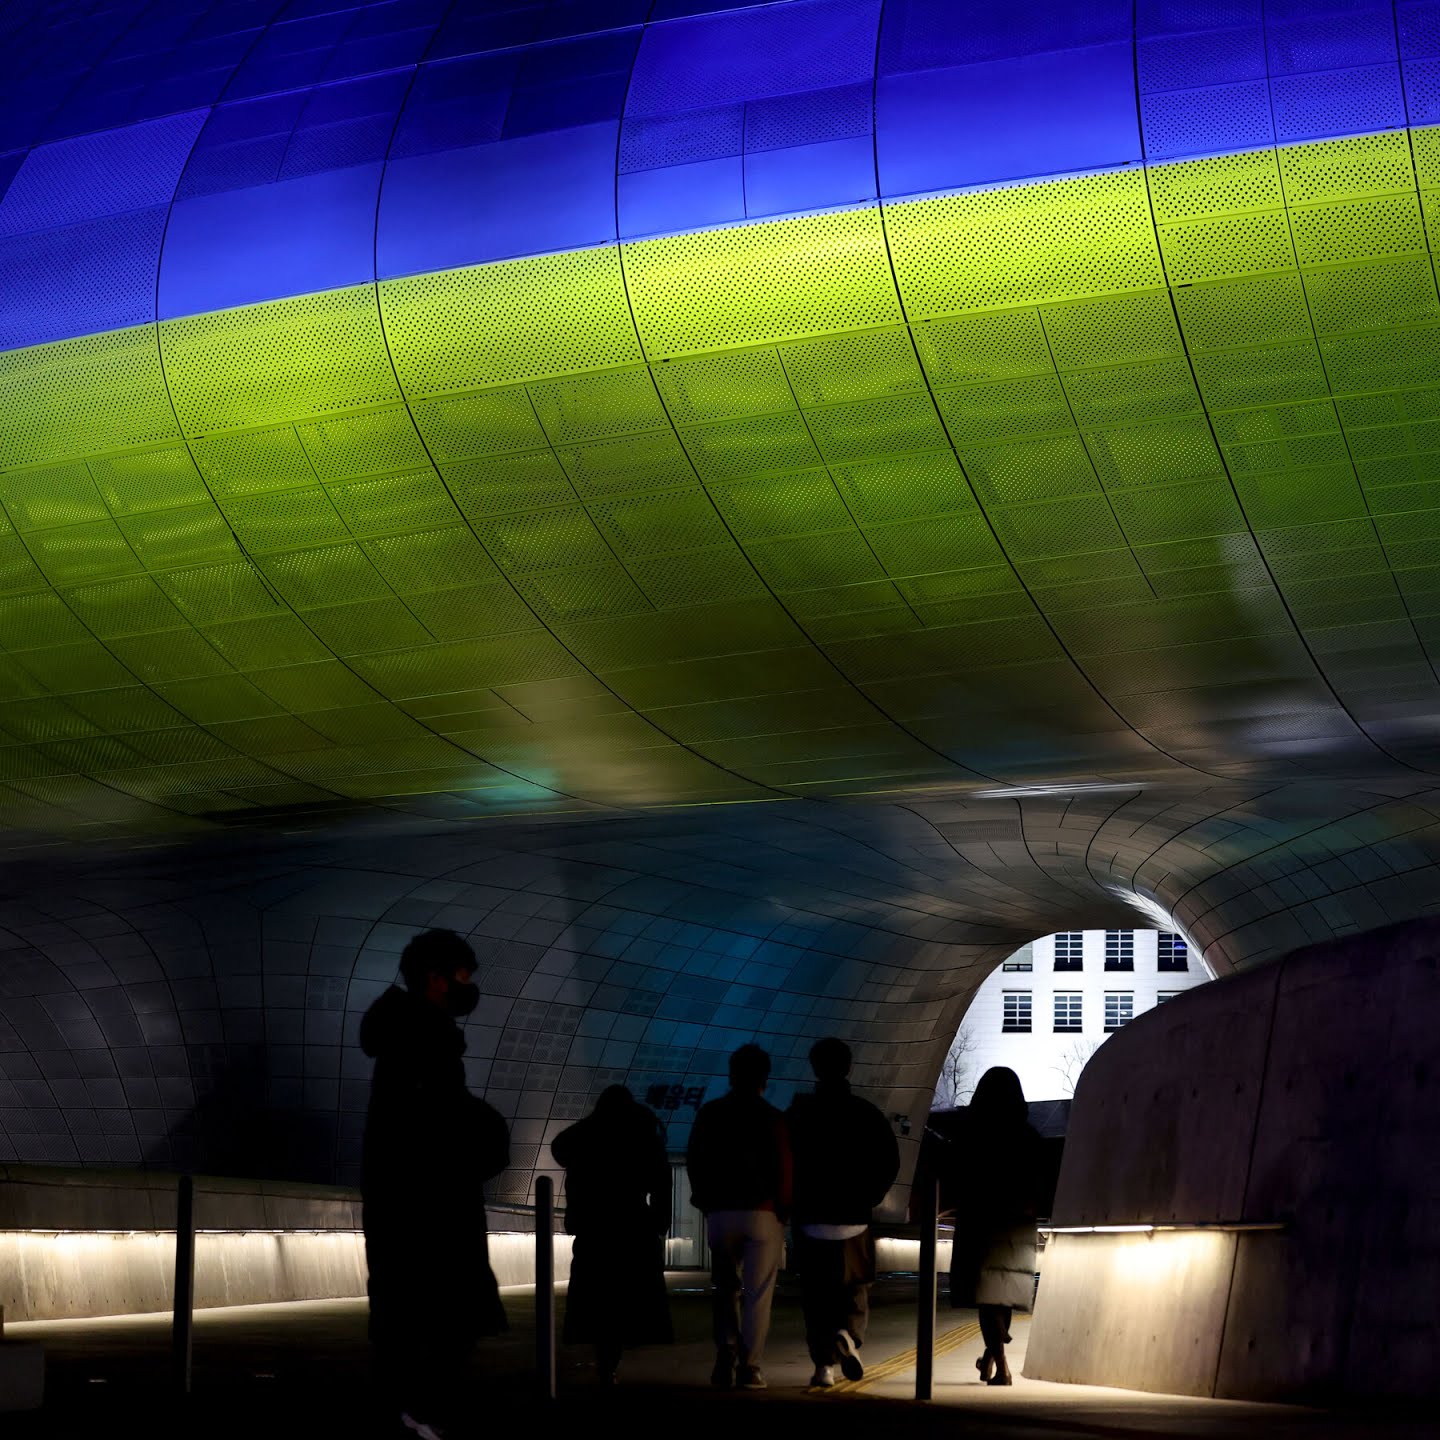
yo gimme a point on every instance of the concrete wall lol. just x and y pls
(55, 1197)
(59, 1277)
(80, 1243)
(1305, 1092)
(898, 1255)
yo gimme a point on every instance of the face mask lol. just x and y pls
(461, 998)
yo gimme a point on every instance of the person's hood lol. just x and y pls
(399, 1020)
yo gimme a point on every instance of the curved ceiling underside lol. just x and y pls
(471, 411)
(202, 1008)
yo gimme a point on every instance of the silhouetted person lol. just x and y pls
(997, 1169)
(429, 1147)
(846, 1160)
(617, 1206)
(739, 1164)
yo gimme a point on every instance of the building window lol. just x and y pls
(1161, 996)
(1017, 1012)
(1022, 959)
(1068, 1012)
(1119, 1008)
(1119, 949)
(1069, 950)
(1173, 952)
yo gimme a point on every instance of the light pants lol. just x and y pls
(746, 1248)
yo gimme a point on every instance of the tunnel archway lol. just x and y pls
(1245, 1186)
(638, 949)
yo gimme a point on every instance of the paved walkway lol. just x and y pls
(270, 1372)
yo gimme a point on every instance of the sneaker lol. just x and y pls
(823, 1378)
(722, 1377)
(422, 1428)
(850, 1366)
(751, 1377)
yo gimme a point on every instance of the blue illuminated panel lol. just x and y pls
(274, 149)
(749, 113)
(81, 224)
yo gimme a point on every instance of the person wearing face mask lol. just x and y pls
(429, 1147)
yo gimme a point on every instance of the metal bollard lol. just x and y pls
(183, 1321)
(925, 1319)
(545, 1286)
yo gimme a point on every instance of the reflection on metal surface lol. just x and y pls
(767, 441)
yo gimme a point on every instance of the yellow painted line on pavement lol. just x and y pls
(905, 1360)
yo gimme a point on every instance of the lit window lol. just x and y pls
(1119, 1008)
(1119, 949)
(1022, 959)
(1068, 1011)
(1161, 996)
(1173, 952)
(1017, 1012)
(1069, 950)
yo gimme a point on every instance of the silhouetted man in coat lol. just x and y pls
(846, 1159)
(739, 1165)
(430, 1145)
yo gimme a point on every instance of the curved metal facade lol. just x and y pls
(481, 409)
(202, 1008)
(1028, 421)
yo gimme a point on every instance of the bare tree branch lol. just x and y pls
(1073, 1061)
(955, 1074)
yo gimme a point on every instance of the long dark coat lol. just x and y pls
(617, 1206)
(429, 1147)
(995, 1178)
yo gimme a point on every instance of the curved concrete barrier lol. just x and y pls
(1304, 1095)
(79, 1243)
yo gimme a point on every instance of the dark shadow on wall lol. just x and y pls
(244, 1125)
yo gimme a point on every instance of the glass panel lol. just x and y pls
(1017, 1011)
(1172, 952)
(1068, 1010)
(1119, 949)
(1069, 950)
(1119, 1008)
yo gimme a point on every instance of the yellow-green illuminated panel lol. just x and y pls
(850, 501)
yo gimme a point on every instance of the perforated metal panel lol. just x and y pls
(457, 330)
(75, 397)
(1011, 246)
(972, 437)
(282, 361)
(760, 282)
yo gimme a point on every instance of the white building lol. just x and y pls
(1056, 1000)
